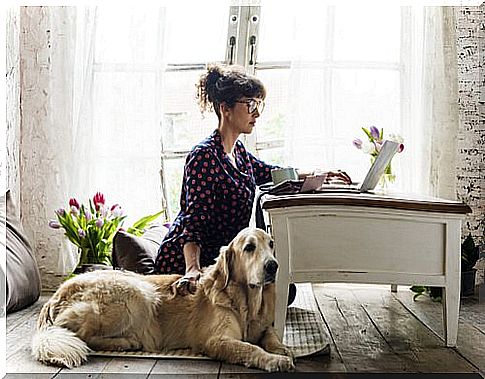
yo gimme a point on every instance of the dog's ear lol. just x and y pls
(226, 257)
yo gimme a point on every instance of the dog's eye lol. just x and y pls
(271, 244)
(250, 247)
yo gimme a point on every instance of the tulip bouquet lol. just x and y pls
(92, 228)
(373, 146)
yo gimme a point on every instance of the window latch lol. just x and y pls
(252, 45)
(232, 43)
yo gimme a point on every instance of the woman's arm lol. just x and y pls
(188, 283)
(262, 170)
(198, 197)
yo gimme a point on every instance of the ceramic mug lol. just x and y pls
(279, 175)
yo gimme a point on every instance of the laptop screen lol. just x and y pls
(388, 149)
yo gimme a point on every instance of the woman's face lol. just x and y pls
(242, 117)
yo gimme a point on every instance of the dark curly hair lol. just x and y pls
(226, 84)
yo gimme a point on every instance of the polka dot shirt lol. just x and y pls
(215, 204)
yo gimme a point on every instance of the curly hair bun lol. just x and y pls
(222, 83)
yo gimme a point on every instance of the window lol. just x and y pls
(329, 70)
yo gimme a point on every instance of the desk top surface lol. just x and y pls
(410, 202)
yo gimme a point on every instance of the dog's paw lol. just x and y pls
(283, 350)
(279, 363)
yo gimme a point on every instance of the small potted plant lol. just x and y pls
(92, 229)
(469, 257)
(376, 139)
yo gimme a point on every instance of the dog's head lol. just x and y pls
(249, 259)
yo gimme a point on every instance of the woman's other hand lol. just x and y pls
(337, 177)
(187, 283)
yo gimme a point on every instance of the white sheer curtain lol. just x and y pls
(106, 129)
(439, 104)
(392, 67)
(117, 108)
(118, 67)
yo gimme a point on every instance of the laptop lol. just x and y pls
(316, 183)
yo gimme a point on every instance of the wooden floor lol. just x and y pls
(372, 330)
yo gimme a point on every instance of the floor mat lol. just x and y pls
(305, 332)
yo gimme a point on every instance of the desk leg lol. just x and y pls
(282, 252)
(281, 305)
(451, 296)
(451, 309)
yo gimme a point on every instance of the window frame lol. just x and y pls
(243, 25)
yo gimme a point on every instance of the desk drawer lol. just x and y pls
(366, 243)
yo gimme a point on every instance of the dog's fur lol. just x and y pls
(230, 314)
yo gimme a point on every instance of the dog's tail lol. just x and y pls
(56, 345)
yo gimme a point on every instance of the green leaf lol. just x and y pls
(417, 295)
(367, 132)
(140, 225)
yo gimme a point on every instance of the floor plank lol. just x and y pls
(124, 367)
(187, 366)
(20, 330)
(94, 366)
(471, 338)
(16, 319)
(473, 312)
(357, 340)
(408, 336)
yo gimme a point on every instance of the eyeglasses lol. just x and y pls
(253, 104)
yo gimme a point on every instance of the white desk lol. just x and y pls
(367, 238)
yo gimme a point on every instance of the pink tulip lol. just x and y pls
(378, 145)
(99, 222)
(117, 211)
(60, 212)
(54, 224)
(73, 203)
(81, 233)
(98, 199)
(357, 143)
(74, 210)
(88, 215)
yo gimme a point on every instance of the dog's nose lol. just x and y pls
(271, 267)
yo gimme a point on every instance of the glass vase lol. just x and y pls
(387, 178)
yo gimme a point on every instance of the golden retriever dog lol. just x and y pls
(230, 317)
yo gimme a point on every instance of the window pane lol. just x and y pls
(271, 124)
(291, 32)
(183, 125)
(364, 98)
(367, 33)
(273, 156)
(173, 175)
(196, 32)
(274, 33)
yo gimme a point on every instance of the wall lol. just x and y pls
(46, 54)
(471, 134)
(12, 97)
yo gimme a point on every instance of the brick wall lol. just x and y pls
(471, 133)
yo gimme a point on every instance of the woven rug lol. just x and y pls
(305, 332)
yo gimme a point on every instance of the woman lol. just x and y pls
(220, 177)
